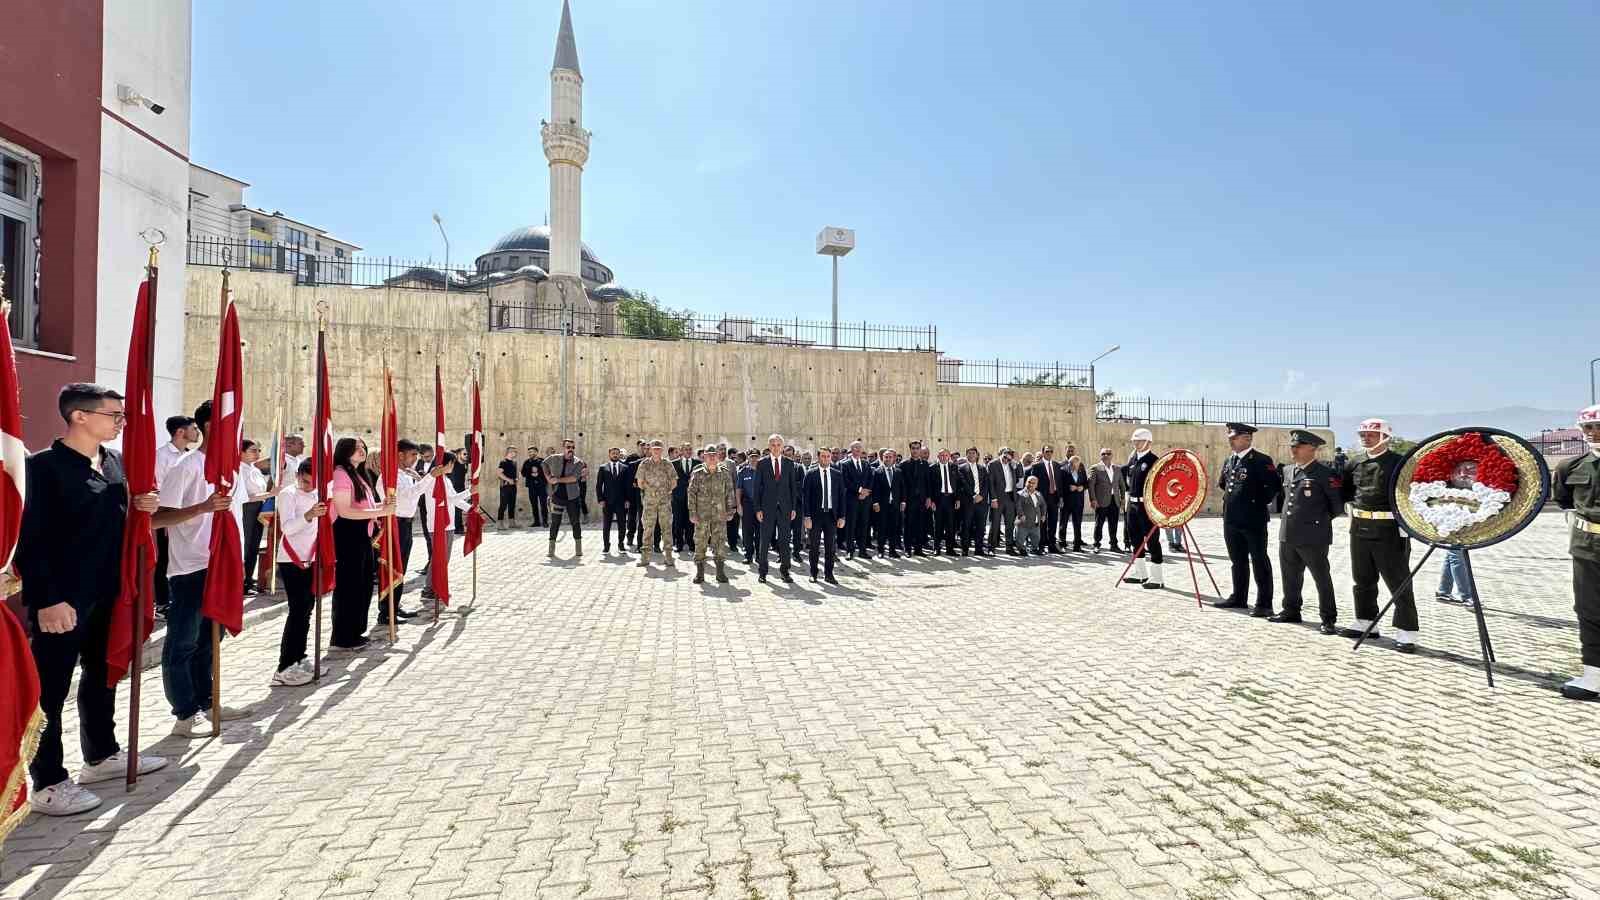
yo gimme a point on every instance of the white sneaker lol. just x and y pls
(195, 726)
(294, 676)
(64, 799)
(116, 766)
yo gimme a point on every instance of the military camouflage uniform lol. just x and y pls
(656, 480)
(711, 501)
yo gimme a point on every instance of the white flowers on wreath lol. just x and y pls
(1456, 511)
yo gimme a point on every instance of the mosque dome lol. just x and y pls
(520, 248)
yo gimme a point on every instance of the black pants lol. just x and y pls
(163, 592)
(1295, 561)
(914, 522)
(824, 533)
(1072, 511)
(537, 505)
(1387, 557)
(508, 503)
(751, 528)
(945, 516)
(776, 528)
(1586, 603)
(1003, 522)
(682, 531)
(858, 524)
(403, 529)
(56, 655)
(422, 519)
(1052, 521)
(297, 585)
(1247, 549)
(977, 519)
(1105, 516)
(613, 512)
(1139, 525)
(636, 518)
(560, 506)
(888, 527)
(353, 572)
(252, 541)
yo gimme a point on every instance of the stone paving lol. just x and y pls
(951, 727)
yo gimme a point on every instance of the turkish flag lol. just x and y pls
(390, 572)
(439, 565)
(139, 464)
(322, 472)
(21, 720)
(474, 523)
(223, 601)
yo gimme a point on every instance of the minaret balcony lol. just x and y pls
(565, 143)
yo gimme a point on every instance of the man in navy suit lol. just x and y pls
(777, 503)
(889, 503)
(858, 501)
(824, 495)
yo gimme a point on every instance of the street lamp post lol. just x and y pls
(440, 222)
(835, 242)
(1113, 348)
(1592, 362)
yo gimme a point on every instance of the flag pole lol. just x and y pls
(391, 530)
(216, 627)
(477, 389)
(317, 416)
(448, 517)
(141, 567)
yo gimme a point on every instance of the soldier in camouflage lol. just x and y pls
(712, 503)
(656, 480)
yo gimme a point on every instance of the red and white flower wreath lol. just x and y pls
(1450, 509)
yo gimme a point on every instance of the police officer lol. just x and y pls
(656, 480)
(711, 505)
(1377, 546)
(1311, 503)
(1577, 489)
(1250, 483)
(1139, 526)
(745, 480)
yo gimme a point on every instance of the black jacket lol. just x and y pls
(889, 485)
(777, 494)
(685, 467)
(1249, 483)
(614, 484)
(1043, 470)
(1311, 503)
(812, 493)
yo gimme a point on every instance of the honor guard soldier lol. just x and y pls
(1576, 486)
(1138, 521)
(1250, 484)
(1377, 546)
(1312, 501)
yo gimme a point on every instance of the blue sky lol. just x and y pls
(1393, 207)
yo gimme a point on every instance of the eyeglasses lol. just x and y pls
(116, 417)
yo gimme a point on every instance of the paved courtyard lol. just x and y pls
(968, 729)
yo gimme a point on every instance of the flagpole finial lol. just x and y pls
(322, 315)
(153, 238)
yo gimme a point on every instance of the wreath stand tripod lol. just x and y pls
(1484, 644)
(1190, 554)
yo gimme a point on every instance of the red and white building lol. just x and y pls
(94, 151)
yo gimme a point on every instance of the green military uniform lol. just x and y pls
(711, 502)
(1312, 500)
(1576, 487)
(656, 480)
(1377, 546)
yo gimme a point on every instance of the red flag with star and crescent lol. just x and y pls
(475, 514)
(322, 472)
(390, 572)
(21, 719)
(139, 466)
(439, 565)
(223, 600)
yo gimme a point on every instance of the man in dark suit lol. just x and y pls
(1312, 500)
(1005, 479)
(1250, 482)
(824, 504)
(1050, 487)
(614, 488)
(947, 489)
(889, 503)
(976, 476)
(634, 528)
(858, 475)
(918, 503)
(777, 504)
(682, 529)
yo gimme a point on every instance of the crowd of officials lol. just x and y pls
(770, 505)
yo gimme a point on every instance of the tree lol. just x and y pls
(1051, 380)
(643, 316)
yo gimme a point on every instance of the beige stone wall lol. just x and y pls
(622, 388)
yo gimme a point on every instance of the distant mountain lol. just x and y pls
(1522, 420)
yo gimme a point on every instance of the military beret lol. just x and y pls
(657, 443)
(1237, 428)
(1300, 436)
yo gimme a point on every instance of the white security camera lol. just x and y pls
(132, 97)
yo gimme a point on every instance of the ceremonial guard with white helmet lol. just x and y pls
(1378, 548)
(1138, 524)
(1576, 487)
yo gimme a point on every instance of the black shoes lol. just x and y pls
(1573, 692)
(1328, 629)
(1231, 604)
(1286, 618)
(1261, 612)
(1405, 648)
(787, 579)
(831, 580)
(1356, 633)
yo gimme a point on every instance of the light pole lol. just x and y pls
(836, 242)
(1592, 401)
(1114, 348)
(440, 222)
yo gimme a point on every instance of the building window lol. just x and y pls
(516, 262)
(318, 245)
(296, 238)
(20, 244)
(338, 252)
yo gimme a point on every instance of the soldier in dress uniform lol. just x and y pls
(1138, 521)
(711, 502)
(1576, 486)
(1378, 548)
(1311, 502)
(656, 480)
(1250, 483)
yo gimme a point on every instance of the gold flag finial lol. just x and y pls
(322, 315)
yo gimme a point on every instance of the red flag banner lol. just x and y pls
(21, 719)
(322, 471)
(390, 572)
(13, 455)
(223, 601)
(139, 464)
(474, 523)
(439, 565)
